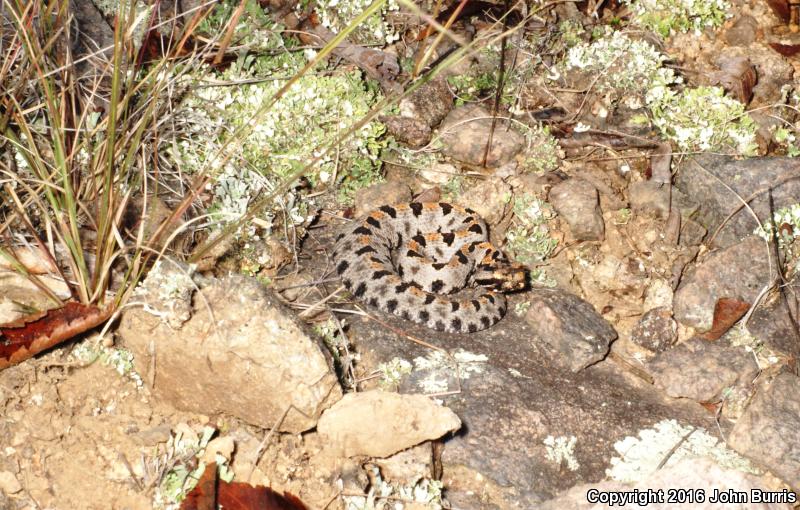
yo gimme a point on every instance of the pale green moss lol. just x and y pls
(695, 119)
(529, 241)
(669, 16)
(338, 14)
(620, 65)
(703, 119)
(309, 116)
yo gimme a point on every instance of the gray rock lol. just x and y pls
(510, 401)
(577, 202)
(738, 272)
(411, 131)
(743, 31)
(771, 323)
(650, 197)
(466, 130)
(656, 331)
(700, 370)
(570, 327)
(228, 345)
(692, 475)
(767, 432)
(706, 178)
(430, 103)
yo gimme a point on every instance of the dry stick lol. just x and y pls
(226, 40)
(261, 446)
(121, 456)
(672, 450)
(784, 283)
(322, 301)
(501, 79)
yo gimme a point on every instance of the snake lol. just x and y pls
(415, 260)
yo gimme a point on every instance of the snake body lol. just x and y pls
(406, 259)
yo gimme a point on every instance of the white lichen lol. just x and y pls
(669, 16)
(641, 456)
(561, 450)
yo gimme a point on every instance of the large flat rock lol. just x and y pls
(719, 184)
(510, 395)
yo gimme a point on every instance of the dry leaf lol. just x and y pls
(35, 333)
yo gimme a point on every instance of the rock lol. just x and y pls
(700, 370)
(9, 483)
(379, 424)
(706, 178)
(430, 103)
(439, 173)
(692, 233)
(771, 324)
(691, 475)
(227, 346)
(538, 184)
(413, 132)
(219, 445)
(511, 393)
(658, 294)
(767, 431)
(489, 199)
(774, 72)
(738, 272)
(16, 289)
(743, 31)
(466, 130)
(650, 197)
(154, 435)
(390, 192)
(656, 331)
(570, 327)
(577, 202)
(407, 467)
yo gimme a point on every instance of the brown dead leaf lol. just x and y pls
(211, 493)
(35, 333)
(726, 313)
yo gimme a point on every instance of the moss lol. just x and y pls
(695, 119)
(529, 241)
(310, 115)
(703, 119)
(620, 65)
(669, 16)
(337, 14)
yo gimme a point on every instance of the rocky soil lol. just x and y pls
(657, 351)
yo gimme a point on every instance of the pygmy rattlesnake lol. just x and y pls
(405, 259)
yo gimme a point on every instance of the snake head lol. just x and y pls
(504, 277)
(511, 277)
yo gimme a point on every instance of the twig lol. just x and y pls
(264, 441)
(672, 450)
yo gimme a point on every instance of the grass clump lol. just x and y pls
(667, 17)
